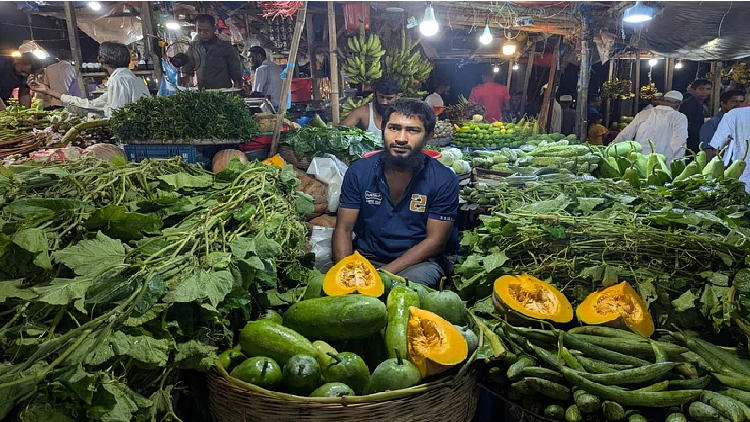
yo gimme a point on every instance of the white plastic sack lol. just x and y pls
(329, 170)
(320, 243)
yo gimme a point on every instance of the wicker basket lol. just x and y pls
(515, 412)
(453, 399)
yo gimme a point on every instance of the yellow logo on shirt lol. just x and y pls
(418, 203)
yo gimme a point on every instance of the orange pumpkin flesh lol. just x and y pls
(532, 298)
(353, 274)
(434, 344)
(617, 306)
(276, 160)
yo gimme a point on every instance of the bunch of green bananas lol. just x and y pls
(364, 65)
(408, 67)
(351, 105)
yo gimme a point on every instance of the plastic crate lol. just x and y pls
(189, 153)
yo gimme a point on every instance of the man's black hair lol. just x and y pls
(386, 86)
(114, 54)
(205, 18)
(727, 96)
(700, 82)
(411, 107)
(258, 50)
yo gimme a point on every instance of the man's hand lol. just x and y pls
(39, 87)
(341, 244)
(437, 234)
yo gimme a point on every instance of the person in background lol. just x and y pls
(215, 62)
(123, 86)
(557, 115)
(60, 77)
(515, 112)
(13, 74)
(663, 124)
(728, 101)
(594, 104)
(369, 117)
(596, 130)
(436, 98)
(651, 104)
(733, 131)
(568, 125)
(400, 203)
(267, 79)
(493, 96)
(695, 110)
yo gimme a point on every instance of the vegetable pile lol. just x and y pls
(186, 116)
(444, 129)
(316, 139)
(497, 134)
(453, 159)
(555, 157)
(118, 275)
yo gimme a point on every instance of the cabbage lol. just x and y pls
(447, 160)
(461, 166)
(454, 153)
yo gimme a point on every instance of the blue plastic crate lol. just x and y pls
(189, 153)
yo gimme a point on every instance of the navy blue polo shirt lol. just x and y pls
(385, 230)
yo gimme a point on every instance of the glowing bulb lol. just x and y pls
(40, 54)
(638, 13)
(515, 66)
(95, 5)
(509, 48)
(429, 25)
(678, 65)
(486, 36)
(15, 54)
(652, 62)
(173, 25)
(495, 69)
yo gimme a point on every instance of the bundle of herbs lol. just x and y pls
(341, 141)
(118, 276)
(186, 116)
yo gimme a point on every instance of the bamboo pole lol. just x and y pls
(75, 43)
(314, 74)
(608, 102)
(670, 76)
(509, 77)
(637, 82)
(334, 63)
(527, 79)
(715, 87)
(584, 74)
(545, 117)
(287, 85)
(149, 32)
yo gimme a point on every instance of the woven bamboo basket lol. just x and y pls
(515, 412)
(452, 399)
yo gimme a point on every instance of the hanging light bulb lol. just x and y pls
(15, 54)
(40, 54)
(515, 66)
(172, 24)
(678, 65)
(496, 69)
(486, 36)
(652, 62)
(95, 5)
(638, 13)
(429, 25)
(509, 48)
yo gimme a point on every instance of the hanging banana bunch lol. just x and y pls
(363, 66)
(350, 105)
(408, 67)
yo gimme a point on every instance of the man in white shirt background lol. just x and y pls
(267, 78)
(123, 86)
(60, 77)
(733, 130)
(436, 98)
(666, 127)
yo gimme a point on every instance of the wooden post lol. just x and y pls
(314, 74)
(334, 63)
(608, 102)
(715, 87)
(670, 75)
(584, 74)
(287, 85)
(526, 79)
(75, 43)
(149, 32)
(545, 117)
(509, 78)
(637, 82)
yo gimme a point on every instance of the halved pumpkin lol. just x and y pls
(353, 274)
(434, 344)
(617, 306)
(531, 297)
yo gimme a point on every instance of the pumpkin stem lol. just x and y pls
(335, 357)
(398, 356)
(440, 287)
(263, 371)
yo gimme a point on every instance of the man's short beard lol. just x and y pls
(381, 108)
(413, 161)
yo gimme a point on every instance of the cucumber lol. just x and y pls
(702, 412)
(547, 388)
(690, 384)
(514, 371)
(554, 412)
(337, 317)
(687, 369)
(613, 411)
(569, 359)
(399, 300)
(660, 355)
(545, 355)
(726, 406)
(632, 376)
(539, 372)
(630, 398)
(573, 414)
(676, 417)
(267, 338)
(598, 367)
(588, 403)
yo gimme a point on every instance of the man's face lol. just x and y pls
(702, 92)
(404, 137)
(22, 69)
(733, 102)
(382, 101)
(256, 59)
(516, 99)
(205, 31)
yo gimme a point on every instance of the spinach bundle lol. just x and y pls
(342, 141)
(116, 276)
(185, 116)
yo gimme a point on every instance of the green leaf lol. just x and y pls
(716, 278)
(92, 257)
(484, 306)
(647, 290)
(11, 396)
(201, 285)
(742, 281)
(63, 291)
(116, 402)
(162, 402)
(33, 240)
(558, 204)
(142, 348)
(117, 223)
(303, 203)
(266, 248)
(610, 275)
(684, 302)
(711, 298)
(494, 261)
(36, 205)
(80, 382)
(45, 413)
(273, 299)
(13, 289)
(184, 180)
(586, 205)
(149, 315)
(195, 355)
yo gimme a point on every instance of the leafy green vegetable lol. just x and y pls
(341, 141)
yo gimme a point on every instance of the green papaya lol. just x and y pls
(349, 369)
(259, 370)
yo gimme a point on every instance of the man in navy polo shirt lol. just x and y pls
(400, 203)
